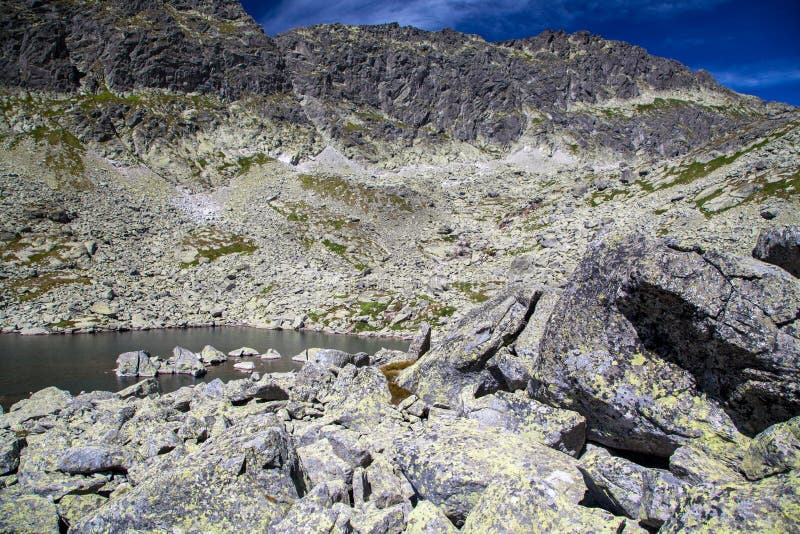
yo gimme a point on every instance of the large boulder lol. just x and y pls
(241, 480)
(212, 356)
(26, 513)
(523, 505)
(87, 459)
(48, 401)
(10, 445)
(564, 430)
(460, 359)
(781, 247)
(776, 450)
(769, 505)
(451, 463)
(186, 362)
(661, 345)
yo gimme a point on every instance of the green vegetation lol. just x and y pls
(470, 290)
(336, 248)
(248, 162)
(213, 243)
(30, 288)
(660, 103)
(352, 194)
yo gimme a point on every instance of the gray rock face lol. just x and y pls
(623, 487)
(562, 430)
(128, 363)
(658, 347)
(45, 402)
(186, 362)
(10, 446)
(242, 479)
(21, 512)
(59, 45)
(89, 459)
(781, 247)
(421, 342)
(775, 450)
(450, 463)
(767, 505)
(460, 359)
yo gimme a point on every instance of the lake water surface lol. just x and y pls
(86, 362)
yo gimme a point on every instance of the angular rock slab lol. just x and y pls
(519, 505)
(427, 518)
(26, 513)
(450, 463)
(44, 402)
(776, 450)
(460, 359)
(240, 480)
(658, 347)
(559, 429)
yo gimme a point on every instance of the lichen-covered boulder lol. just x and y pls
(323, 510)
(524, 505)
(624, 487)
(460, 358)
(48, 401)
(71, 508)
(450, 463)
(240, 480)
(695, 467)
(87, 459)
(781, 247)
(24, 513)
(421, 342)
(775, 450)
(186, 362)
(659, 346)
(128, 362)
(427, 518)
(148, 386)
(559, 429)
(769, 505)
(10, 445)
(211, 356)
(381, 483)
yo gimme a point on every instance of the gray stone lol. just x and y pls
(148, 386)
(459, 360)
(421, 343)
(26, 513)
(781, 247)
(427, 518)
(775, 450)
(450, 463)
(128, 363)
(381, 483)
(211, 356)
(45, 402)
(10, 446)
(559, 429)
(88, 459)
(186, 362)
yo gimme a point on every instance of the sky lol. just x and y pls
(751, 47)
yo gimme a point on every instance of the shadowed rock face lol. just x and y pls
(211, 47)
(657, 346)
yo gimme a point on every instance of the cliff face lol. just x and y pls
(210, 47)
(374, 91)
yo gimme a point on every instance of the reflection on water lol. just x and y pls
(86, 362)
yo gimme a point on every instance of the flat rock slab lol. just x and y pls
(450, 463)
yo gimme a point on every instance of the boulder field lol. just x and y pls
(657, 391)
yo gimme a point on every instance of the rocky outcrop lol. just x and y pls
(781, 247)
(460, 358)
(659, 346)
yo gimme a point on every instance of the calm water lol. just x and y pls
(86, 362)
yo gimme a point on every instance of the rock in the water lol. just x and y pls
(271, 354)
(241, 480)
(242, 352)
(148, 386)
(128, 363)
(775, 450)
(769, 505)
(623, 487)
(244, 366)
(517, 504)
(421, 343)
(427, 518)
(781, 247)
(559, 429)
(186, 362)
(87, 459)
(44, 402)
(211, 356)
(659, 347)
(459, 360)
(450, 463)
(26, 513)
(337, 358)
(10, 445)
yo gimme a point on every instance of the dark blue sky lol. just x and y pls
(752, 47)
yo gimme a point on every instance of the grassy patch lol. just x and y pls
(213, 243)
(27, 289)
(248, 162)
(598, 197)
(336, 248)
(352, 194)
(470, 289)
